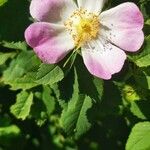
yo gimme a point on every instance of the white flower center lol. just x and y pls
(82, 26)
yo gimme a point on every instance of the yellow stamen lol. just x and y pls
(83, 26)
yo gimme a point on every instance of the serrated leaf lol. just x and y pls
(12, 72)
(28, 61)
(8, 131)
(74, 117)
(143, 61)
(99, 86)
(21, 72)
(67, 88)
(74, 105)
(25, 82)
(141, 109)
(142, 77)
(5, 56)
(83, 125)
(15, 45)
(49, 74)
(136, 111)
(139, 138)
(48, 99)
(38, 111)
(25, 62)
(21, 108)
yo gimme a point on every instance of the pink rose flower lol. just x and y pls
(102, 36)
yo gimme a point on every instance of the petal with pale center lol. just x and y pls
(103, 59)
(94, 6)
(122, 25)
(127, 39)
(50, 42)
(126, 15)
(54, 11)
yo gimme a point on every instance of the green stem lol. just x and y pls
(74, 52)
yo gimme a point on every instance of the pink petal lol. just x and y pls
(53, 11)
(126, 15)
(103, 59)
(127, 39)
(122, 26)
(50, 42)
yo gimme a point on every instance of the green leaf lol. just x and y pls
(139, 138)
(21, 72)
(129, 93)
(74, 117)
(48, 99)
(39, 111)
(9, 131)
(98, 83)
(147, 22)
(57, 92)
(5, 56)
(67, 88)
(82, 124)
(136, 111)
(142, 78)
(143, 61)
(21, 108)
(25, 82)
(74, 105)
(25, 62)
(49, 74)
(141, 109)
(28, 61)
(2, 2)
(15, 45)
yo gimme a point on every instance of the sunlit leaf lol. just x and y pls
(48, 99)
(9, 131)
(21, 108)
(15, 45)
(22, 71)
(5, 56)
(74, 116)
(139, 137)
(2, 2)
(49, 74)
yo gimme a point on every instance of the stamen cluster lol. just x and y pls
(83, 26)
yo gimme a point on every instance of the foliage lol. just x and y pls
(139, 137)
(22, 107)
(63, 107)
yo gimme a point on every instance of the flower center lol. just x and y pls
(83, 26)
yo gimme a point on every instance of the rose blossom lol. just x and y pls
(102, 36)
